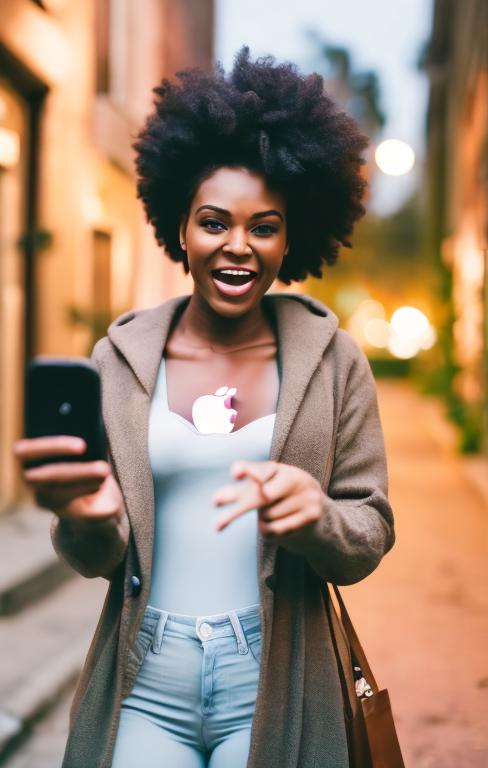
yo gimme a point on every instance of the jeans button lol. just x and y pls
(205, 629)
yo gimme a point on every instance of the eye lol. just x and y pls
(265, 229)
(212, 225)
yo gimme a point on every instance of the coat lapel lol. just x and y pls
(304, 329)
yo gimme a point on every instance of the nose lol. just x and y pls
(237, 242)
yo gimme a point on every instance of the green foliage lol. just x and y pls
(36, 240)
(469, 418)
(362, 87)
(390, 367)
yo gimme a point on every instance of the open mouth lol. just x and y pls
(234, 276)
(233, 282)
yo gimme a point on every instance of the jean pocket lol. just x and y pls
(136, 656)
(255, 648)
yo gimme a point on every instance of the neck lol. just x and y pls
(201, 323)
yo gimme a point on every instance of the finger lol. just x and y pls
(248, 501)
(52, 445)
(282, 508)
(52, 497)
(288, 526)
(261, 471)
(66, 472)
(72, 511)
(244, 489)
(275, 484)
(100, 506)
(226, 493)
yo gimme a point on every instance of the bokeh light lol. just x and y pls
(409, 322)
(408, 331)
(377, 332)
(394, 157)
(9, 148)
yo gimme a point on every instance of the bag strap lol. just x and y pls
(357, 651)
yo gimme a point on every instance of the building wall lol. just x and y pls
(76, 77)
(457, 62)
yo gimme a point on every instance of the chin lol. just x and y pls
(233, 308)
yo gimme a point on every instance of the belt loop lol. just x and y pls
(159, 631)
(242, 645)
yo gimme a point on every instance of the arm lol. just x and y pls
(92, 547)
(356, 528)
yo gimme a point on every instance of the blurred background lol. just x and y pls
(75, 251)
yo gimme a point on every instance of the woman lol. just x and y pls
(233, 417)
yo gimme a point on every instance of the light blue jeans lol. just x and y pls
(194, 696)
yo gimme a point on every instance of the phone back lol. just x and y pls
(63, 397)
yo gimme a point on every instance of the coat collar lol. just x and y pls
(304, 328)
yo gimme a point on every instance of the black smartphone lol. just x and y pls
(63, 397)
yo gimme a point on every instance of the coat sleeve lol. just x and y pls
(95, 547)
(356, 528)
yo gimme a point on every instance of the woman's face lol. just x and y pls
(235, 222)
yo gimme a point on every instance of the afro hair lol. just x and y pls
(269, 118)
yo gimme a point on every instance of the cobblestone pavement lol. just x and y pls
(422, 615)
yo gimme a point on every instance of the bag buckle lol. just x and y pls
(362, 686)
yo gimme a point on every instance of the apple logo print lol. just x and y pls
(214, 413)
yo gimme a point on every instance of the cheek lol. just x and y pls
(202, 242)
(275, 250)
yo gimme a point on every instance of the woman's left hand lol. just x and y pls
(288, 500)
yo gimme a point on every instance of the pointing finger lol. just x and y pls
(261, 471)
(248, 497)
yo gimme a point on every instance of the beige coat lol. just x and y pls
(327, 423)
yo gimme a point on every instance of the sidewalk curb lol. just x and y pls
(37, 696)
(31, 568)
(29, 588)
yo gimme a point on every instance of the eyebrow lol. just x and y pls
(271, 212)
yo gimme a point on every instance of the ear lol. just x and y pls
(287, 248)
(182, 232)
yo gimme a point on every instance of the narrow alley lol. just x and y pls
(421, 616)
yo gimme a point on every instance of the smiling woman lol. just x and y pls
(215, 646)
(241, 246)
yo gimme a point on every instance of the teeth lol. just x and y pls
(234, 271)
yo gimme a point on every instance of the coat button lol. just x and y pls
(135, 586)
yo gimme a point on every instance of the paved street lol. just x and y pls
(422, 616)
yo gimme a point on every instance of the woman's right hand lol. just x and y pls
(82, 491)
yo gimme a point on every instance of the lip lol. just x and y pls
(233, 290)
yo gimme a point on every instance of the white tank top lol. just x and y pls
(197, 570)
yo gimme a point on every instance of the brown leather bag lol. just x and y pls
(371, 733)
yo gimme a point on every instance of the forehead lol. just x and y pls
(235, 188)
